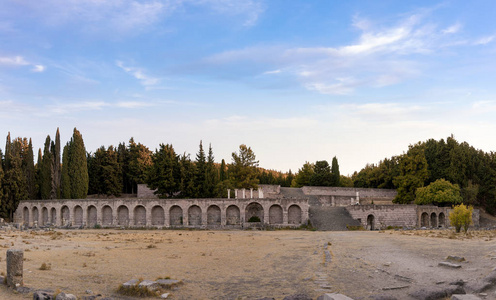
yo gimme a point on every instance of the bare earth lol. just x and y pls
(248, 264)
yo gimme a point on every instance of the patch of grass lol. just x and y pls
(45, 267)
(151, 246)
(166, 277)
(355, 227)
(136, 291)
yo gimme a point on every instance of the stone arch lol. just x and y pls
(35, 215)
(25, 215)
(371, 222)
(176, 215)
(123, 215)
(92, 216)
(78, 215)
(233, 215)
(65, 215)
(213, 215)
(107, 218)
(44, 216)
(424, 220)
(442, 220)
(194, 215)
(275, 214)
(140, 215)
(255, 212)
(294, 214)
(433, 220)
(53, 216)
(158, 216)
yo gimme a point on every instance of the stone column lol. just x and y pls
(223, 216)
(244, 193)
(358, 197)
(235, 193)
(251, 193)
(166, 216)
(260, 193)
(285, 217)
(130, 222)
(71, 216)
(228, 193)
(85, 215)
(15, 259)
(266, 215)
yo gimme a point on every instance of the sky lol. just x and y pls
(294, 80)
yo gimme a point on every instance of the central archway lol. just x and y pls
(92, 217)
(78, 215)
(107, 216)
(424, 220)
(213, 215)
(123, 215)
(140, 215)
(294, 214)
(194, 215)
(370, 222)
(275, 214)
(254, 213)
(233, 215)
(176, 215)
(158, 216)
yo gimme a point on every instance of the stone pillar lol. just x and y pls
(235, 193)
(204, 216)
(251, 193)
(130, 222)
(260, 193)
(244, 193)
(71, 216)
(285, 217)
(228, 193)
(223, 217)
(85, 216)
(15, 259)
(358, 197)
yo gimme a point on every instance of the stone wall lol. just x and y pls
(201, 213)
(409, 216)
(349, 192)
(145, 192)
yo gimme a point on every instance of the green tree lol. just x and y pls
(104, 170)
(75, 180)
(65, 179)
(302, 178)
(56, 177)
(413, 170)
(187, 186)
(336, 176)
(212, 175)
(139, 161)
(346, 181)
(46, 171)
(244, 168)
(29, 170)
(439, 192)
(14, 180)
(201, 173)
(164, 174)
(322, 174)
(1, 176)
(223, 171)
(461, 216)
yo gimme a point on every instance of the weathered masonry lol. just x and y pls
(194, 213)
(380, 216)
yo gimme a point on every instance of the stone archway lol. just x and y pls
(433, 220)
(213, 215)
(92, 216)
(107, 218)
(294, 214)
(78, 215)
(424, 220)
(25, 215)
(442, 220)
(35, 216)
(44, 216)
(275, 214)
(53, 216)
(233, 215)
(123, 215)
(370, 222)
(176, 215)
(140, 215)
(254, 213)
(158, 216)
(65, 216)
(194, 215)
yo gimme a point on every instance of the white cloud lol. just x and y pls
(65, 108)
(272, 72)
(13, 61)
(452, 29)
(484, 40)
(38, 68)
(132, 104)
(139, 74)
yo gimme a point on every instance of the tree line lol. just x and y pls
(472, 171)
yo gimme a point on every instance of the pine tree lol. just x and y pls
(223, 171)
(187, 181)
(78, 168)
(14, 181)
(123, 159)
(165, 174)
(336, 177)
(104, 171)
(201, 173)
(38, 170)
(46, 171)
(139, 161)
(212, 176)
(322, 174)
(1, 176)
(244, 168)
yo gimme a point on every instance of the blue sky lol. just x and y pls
(295, 80)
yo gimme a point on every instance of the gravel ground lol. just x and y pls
(250, 264)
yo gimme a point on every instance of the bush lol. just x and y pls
(254, 219)
(439, 192)
(461, 216)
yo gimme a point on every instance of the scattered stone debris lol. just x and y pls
(465, 297)
(383, 297)
(298, 297)
(395, 288)
(64, 296)
(484, 284)
(455, 258)
(449, 265)
(428, 293)
(334, 296)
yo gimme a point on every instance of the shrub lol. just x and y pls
(461, 216)
(254, 219)
(45, 267)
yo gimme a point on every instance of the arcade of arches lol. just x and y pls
(163, 212)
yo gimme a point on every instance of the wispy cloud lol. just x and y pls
(484, 40)
(15, 61)
(139, 74)
(452, 29)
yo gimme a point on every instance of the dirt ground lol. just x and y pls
(248, 264)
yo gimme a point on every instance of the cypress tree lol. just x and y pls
(38, 169)
(7, 153)
(14, 181)
(55, 192)
(46, 171)
(65, 182)
(78, 168)
(29, 170)
(222, 171)
(201, 173)
(336, 177)
(188, 170)
(1, 175)
(165, 174)
(212, 176)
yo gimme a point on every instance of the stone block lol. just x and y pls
(334, 296)
(149, 284)
(15, 258)
(449, 265)
(465, 297)
(130, 283)
(64, 296)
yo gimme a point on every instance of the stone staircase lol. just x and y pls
(331, 218)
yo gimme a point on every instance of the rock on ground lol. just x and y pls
(334, 296)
